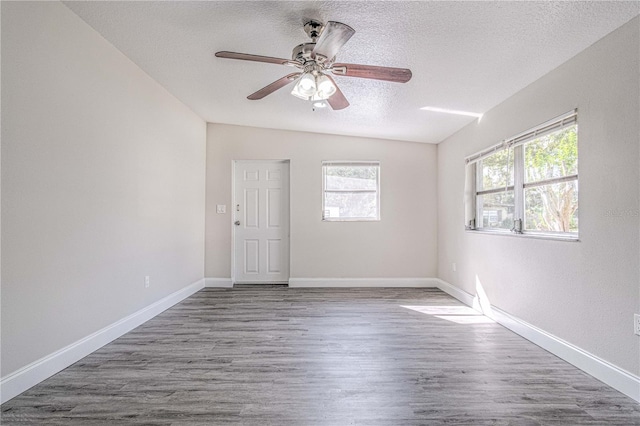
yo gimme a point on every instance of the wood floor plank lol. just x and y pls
(257, 355)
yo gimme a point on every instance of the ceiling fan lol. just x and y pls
(314, 61)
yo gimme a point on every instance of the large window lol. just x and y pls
(527, 184)
(351, 190)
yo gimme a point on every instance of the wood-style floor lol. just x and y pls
(281, 356)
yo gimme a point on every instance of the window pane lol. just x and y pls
(351, 177)
(496, 210)
(551, 156)
(497, 170)
(552, 207)
(350, 205)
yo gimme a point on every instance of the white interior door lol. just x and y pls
(261, 208)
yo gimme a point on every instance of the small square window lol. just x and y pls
(350, 190)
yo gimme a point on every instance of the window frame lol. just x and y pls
(517, 144)
(346, 163)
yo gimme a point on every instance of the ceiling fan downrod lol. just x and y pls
(313, 29)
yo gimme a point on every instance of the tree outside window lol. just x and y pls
(529, 184)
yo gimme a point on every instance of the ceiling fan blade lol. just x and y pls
(278, 84)
(333, 37)
(337, 100)
(255, 58)
(397, 75)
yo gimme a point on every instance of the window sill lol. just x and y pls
(536, 236)
(352, 220)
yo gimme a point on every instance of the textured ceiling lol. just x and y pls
(466, 56)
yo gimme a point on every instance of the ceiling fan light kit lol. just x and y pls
(314, 86)
(315, 60)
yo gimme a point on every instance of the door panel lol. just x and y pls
(252, 207)
(261, 238)
(252, 254)
(274, 249)
(274, 204)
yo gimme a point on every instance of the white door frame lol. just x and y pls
(233, 215)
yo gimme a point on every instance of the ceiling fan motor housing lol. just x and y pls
(303, 52)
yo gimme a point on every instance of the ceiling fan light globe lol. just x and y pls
(307, 84)
(298, 92)
(299, 95)
(320, 96)
(326, 86)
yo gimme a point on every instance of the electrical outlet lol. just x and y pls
(147, 281)
(636, 324)
(454, 267)
(221, 208)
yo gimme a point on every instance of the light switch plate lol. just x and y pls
(221, 208)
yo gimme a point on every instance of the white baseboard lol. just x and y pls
(30, 375)
(617, 378)
(363, 282)
(218, 282)
(454, 291)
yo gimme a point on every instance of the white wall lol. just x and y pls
(583, 292)
(401, 245)
(103, 177)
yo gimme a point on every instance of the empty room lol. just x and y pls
(320, 213)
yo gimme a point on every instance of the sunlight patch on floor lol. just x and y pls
(457, 314)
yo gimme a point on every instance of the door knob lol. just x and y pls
(236, 223)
